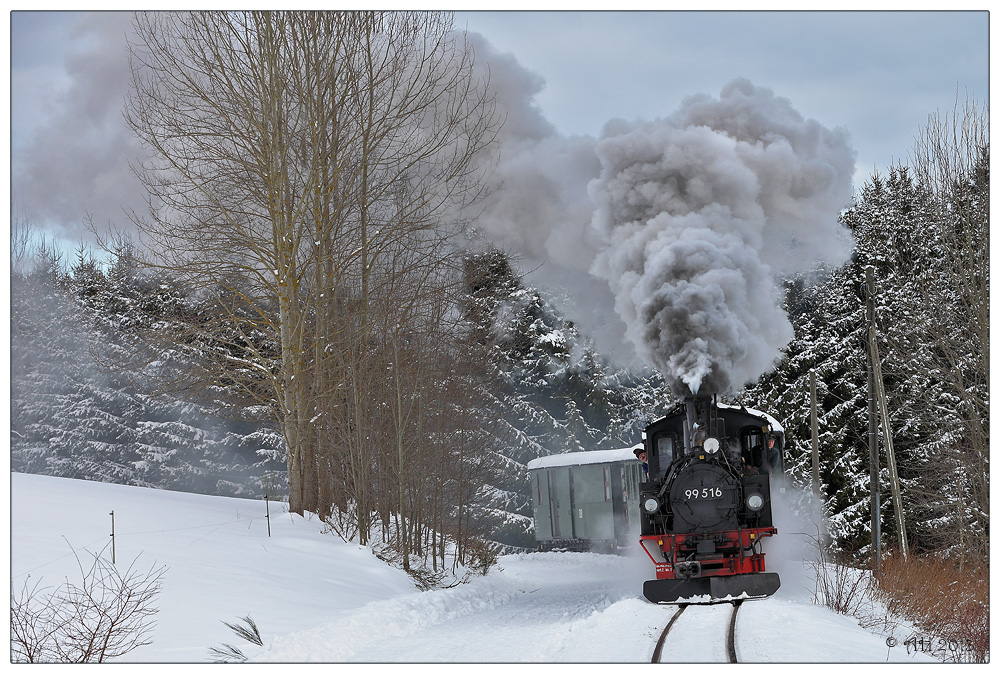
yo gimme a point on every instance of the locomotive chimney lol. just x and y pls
(701, 422)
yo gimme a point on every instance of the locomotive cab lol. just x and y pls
(707, 503)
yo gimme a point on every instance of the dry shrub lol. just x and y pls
(108, 614)
(840, 587)
(947, 599)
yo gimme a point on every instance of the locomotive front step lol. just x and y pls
(711, 589)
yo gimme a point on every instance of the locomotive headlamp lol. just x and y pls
(711, 445)
(650, 505)
(755, 501)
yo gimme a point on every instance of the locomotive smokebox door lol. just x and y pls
(704, 497)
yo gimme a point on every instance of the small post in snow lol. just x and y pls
(267, 504)
(267, 514)
(112, 536)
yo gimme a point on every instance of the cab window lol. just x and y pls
(753, 450)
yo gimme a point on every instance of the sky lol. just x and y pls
(879, 74)
(876, 74)
(591, 98)
(318, 598)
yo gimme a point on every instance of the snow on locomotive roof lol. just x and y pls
(770, 420)
(581, 458)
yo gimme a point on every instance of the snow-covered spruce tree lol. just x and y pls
(930, 325)
(566, 397)
(207, 438)
(829, 322)
(897, 231)
(894, 227)
(74, 416)
(66, 417)
(557, 394)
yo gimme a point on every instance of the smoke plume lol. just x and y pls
(539, 209)
(699, 213)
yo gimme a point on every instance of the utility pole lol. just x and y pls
(815, 432)
(890, 454)
(873, 485)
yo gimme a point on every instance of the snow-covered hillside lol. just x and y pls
(316, 598)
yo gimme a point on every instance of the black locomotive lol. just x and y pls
(706, 504)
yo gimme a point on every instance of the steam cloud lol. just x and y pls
(540, 210)
(72, 159)
(679, 226)
(699, 212)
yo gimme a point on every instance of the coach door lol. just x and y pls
(561, 486)
(543, 506)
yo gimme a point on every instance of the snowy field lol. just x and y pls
(316, 598)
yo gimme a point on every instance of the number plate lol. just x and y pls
(703, 493)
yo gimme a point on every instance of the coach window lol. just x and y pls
(631, 476)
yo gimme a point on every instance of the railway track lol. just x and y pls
(730, 632)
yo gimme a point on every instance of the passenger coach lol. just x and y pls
(586, 500)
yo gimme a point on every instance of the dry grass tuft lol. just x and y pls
(946, 598)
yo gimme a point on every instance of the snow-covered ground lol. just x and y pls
(316, 598)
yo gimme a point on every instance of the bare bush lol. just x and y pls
(947, 600)
(106, 616)
(840, 587)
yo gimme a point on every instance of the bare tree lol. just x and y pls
(301, 164)
(106, 616)
(951, 160)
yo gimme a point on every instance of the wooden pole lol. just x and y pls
(267, 504)
(873, 462)
(815, 433)
(267, 516)
(890, 454)
(112, 536)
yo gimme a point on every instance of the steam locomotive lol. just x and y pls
(706, 503)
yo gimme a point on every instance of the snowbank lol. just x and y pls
(316, 598)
